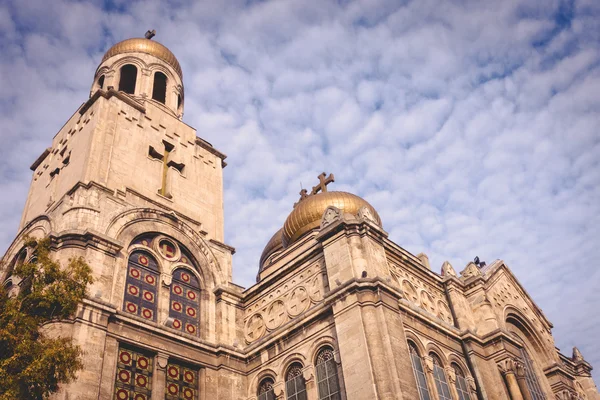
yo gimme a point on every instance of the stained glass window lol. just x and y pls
(531, 378)
(185, 301)
(439, 377)
(182, 382)
(327, 375)
(461, 384)
(419, 372)
(141, 285)
(134, 375)
(295, 386)
(265, 389)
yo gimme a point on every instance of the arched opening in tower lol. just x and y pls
(101, 82)
(159, 90)
(128, 78)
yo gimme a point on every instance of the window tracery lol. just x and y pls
(417, 366)
(327, 375)
(461, 383)
(266, 390)
(439, 377)
(295, 386)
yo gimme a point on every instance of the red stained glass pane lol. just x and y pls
(181, 382)
(133, 364)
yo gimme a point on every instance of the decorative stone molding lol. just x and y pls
(366, 215)
(470, 271)
(447, 269)
(330, 215)
(510, 366)
(428, 364)
(451, 374)
(162, 360)
(577, 356)
(567, 395)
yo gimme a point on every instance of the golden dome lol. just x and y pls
(306, 216)
(274, 244)
(142, 45)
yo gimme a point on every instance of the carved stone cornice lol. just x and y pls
(511, 366)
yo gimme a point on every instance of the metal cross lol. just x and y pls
(323, 182)
(150, 34)
(153, 153)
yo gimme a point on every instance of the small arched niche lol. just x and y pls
(128, 78)
(159, 88)
(101, 82)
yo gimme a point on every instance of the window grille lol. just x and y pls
(417, 366)
(134, 375)
(182, 382)
(439, 377)
(184, 304)
(461, 384)
(327, 375)
(141, 285)
(530, 377)
(295, 386)
(265, 389)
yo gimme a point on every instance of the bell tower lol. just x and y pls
(127, 146)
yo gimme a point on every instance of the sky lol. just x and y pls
(471, 126)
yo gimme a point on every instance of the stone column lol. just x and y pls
(428, 369)
(508, 369)
(520, 375)
(159, 376)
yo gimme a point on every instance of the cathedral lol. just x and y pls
(338, 311)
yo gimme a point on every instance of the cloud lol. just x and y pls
(472, 127)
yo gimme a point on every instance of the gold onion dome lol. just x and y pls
(272, 246)
(147, 46)
(307, 214)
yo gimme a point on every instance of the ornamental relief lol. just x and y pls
(285, 302)
(503, 293)
(421, 294)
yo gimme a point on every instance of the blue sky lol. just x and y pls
(471, 126)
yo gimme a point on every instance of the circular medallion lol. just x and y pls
(173, 372)
(176, 306)
(173, 389)
(168, 249)
(191, 295)
(142, 362)
(409, 291)
(191, 312)
(188, 376)
(177, 324)
(134, 273)
(124, 376)
(143, 260)
(132, 308)
(177, 290)
(191, 329)
(275, 314)
(149, 296)
(122, 394)
(147, 313)
(255, 328)
(140, 396)
(125, 357)
(133, 290)
(188, 393)
(298, 301)
(185, 277)
(141, 380)
(150, 279)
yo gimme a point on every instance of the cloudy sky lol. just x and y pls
(471, 126)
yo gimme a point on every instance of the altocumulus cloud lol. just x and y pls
(472, 126)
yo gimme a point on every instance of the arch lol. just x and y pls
(438, 352)
(412, 337)
(128, 78)
(159, 87)
(132, 223)
(439, 377)
(295, 384)
(515, 319)
(101, 81)
(184, 302)
(289, 360)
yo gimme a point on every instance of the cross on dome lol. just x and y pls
(324, 180)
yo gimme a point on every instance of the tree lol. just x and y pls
(32, 365)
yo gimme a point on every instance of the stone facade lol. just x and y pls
(125, 166)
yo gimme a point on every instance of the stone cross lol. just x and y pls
(164, 157)
(255, 327)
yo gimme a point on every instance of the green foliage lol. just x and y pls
(33, 365)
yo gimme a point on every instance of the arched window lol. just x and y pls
(439, 377)
(265, 389)
(128, 78)
(295, 386)
(185, 301)
(530, 377)
(327, 375)
(101, 82)
(159, 89)
(417, 366)
(141, 285)
(179, 102)
(461, 383)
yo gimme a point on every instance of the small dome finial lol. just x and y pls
(150, 34)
